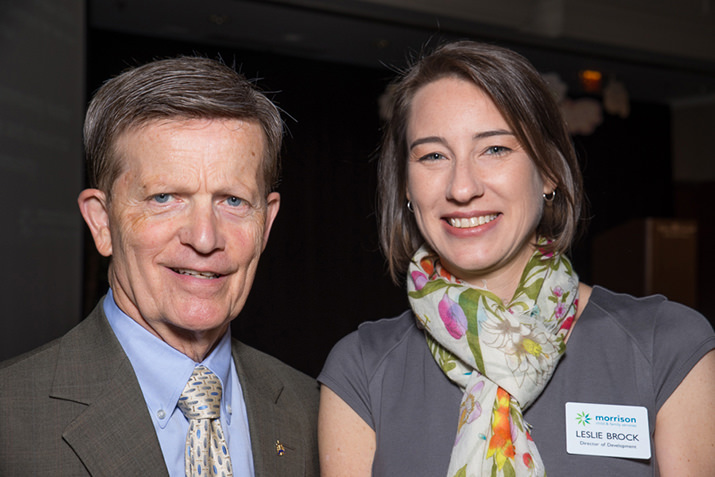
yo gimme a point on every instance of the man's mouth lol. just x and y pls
(194, 273)
(468, 222)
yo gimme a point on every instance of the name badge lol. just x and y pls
(607, 430)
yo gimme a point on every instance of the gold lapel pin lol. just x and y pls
(280, 450)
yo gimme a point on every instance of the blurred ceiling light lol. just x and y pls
(590, 80)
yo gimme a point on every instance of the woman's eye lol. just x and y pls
(234, 201)
(497, 150)
(433, 156)
(162, 198)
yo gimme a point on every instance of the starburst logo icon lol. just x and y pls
(583, 418)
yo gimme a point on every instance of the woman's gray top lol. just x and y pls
(622, 351)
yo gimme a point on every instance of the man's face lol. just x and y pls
(186, 225)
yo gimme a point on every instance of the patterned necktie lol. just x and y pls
(206, 449)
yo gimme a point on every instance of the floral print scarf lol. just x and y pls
(501, 356)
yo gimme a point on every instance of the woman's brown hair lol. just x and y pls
(528, 106)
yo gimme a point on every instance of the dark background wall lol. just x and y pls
(322, 273)
(41, 109)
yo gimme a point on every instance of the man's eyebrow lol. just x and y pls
(441, 140)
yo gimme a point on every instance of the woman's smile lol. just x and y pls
(470, 222)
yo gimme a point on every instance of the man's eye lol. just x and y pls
(162, 198)
(234, 201)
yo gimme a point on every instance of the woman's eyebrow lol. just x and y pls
(492, 133)
(479, 135)
(427, 140)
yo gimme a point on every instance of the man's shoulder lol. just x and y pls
(257, 363)
(30, 365)
(281, 404)
(43, 357)
(85, 343)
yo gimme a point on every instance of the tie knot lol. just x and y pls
(201, 398)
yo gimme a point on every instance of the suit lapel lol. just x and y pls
(114, 434)
(276, 439)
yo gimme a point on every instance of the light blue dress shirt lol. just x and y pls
(162, 372)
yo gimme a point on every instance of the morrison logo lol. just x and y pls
(583, 418)
(618, 418)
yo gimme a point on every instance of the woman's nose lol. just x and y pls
(465, 183)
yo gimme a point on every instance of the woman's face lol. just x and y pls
(476, 194)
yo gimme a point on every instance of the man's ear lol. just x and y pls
(273, 203)
(93, 207)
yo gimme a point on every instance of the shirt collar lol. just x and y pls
(161, 370)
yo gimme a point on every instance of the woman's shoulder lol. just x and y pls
(387, 332)
(661, 329)
(668, 336)
(374, 340)
(377, 347)
(637, 314)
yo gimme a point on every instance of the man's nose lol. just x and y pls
(202, 229)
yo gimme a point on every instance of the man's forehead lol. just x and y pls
(189, 122)
(125, 146)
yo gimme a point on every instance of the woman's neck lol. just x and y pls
(504, 281)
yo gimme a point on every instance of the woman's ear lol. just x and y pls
(549, 186)
(93, 207)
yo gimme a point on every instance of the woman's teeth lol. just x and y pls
(464, 223)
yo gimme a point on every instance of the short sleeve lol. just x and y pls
(681, 337)
(344, 373)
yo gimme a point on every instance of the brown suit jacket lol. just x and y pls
(74, 408)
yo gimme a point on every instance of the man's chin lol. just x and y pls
(195, 340)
